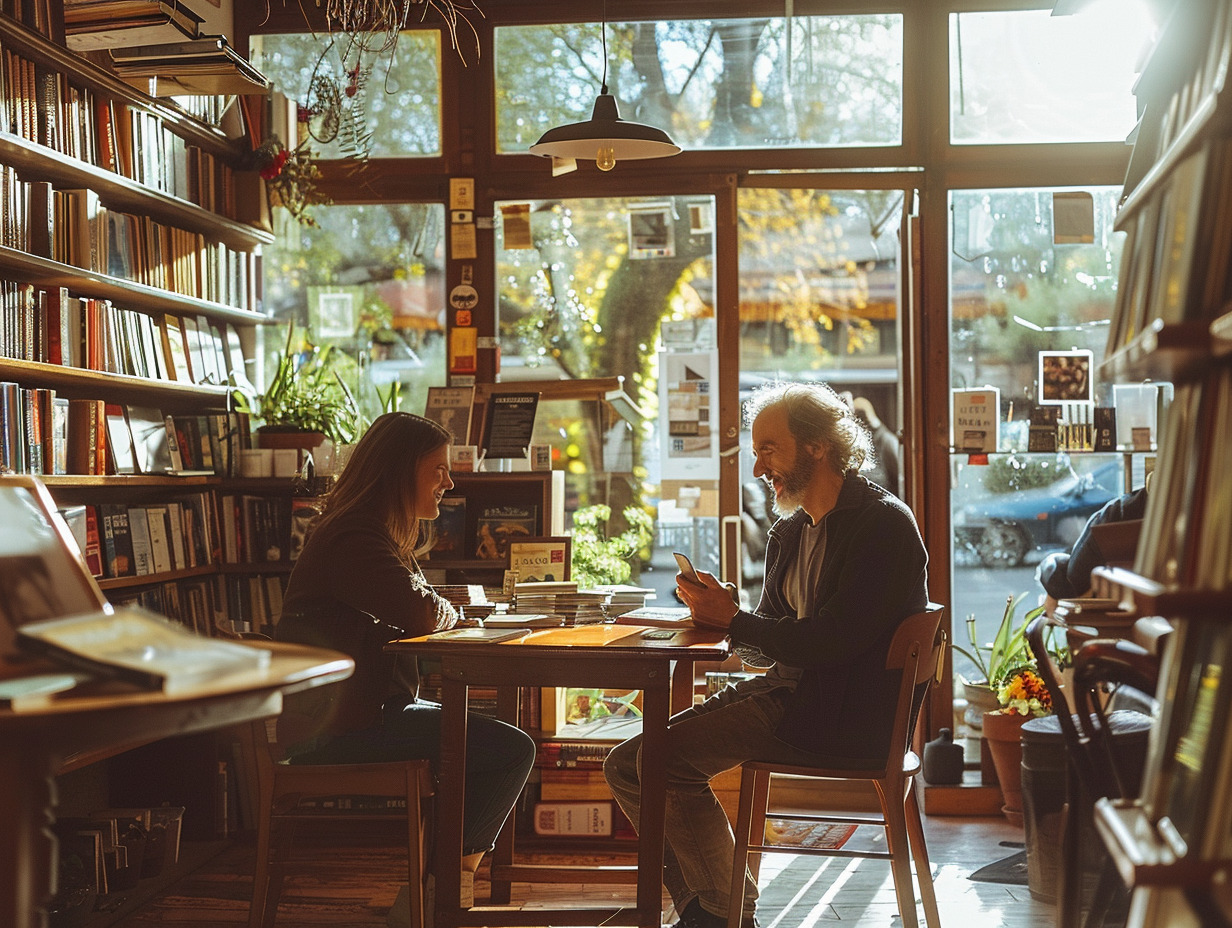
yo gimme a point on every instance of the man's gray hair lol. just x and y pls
(816, 415)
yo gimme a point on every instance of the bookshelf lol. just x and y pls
(1172, 319)
(129, 278)
(541, 494)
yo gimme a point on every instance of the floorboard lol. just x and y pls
(344, 881)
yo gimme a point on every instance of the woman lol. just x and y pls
(357, 585)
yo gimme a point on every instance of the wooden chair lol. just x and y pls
(280, 787)
(917, 648)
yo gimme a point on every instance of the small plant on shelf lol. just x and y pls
(305, 394)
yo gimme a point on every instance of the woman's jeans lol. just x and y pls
(499, 758)
(729, 728)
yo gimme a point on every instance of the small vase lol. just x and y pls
(1003, 730)
(943, 760)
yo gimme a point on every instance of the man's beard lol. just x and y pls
(795, 482)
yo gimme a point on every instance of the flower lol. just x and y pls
(1024, 693)
(291, 176)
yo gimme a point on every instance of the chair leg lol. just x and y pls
(919, 852)
(894, 810)
(740, 853)
(414, 851)
(757, 824)
(261, 871)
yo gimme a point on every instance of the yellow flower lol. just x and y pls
(1025, 694)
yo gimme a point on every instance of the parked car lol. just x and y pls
(1002, 529)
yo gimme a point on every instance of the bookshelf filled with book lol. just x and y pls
(1173, 314)
(129, 284)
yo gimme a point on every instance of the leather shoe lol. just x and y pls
(694, 916)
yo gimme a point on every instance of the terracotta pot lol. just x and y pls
(1004, 733)
(288, 439)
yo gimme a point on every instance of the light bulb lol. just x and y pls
(605, 158)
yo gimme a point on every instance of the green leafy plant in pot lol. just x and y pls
(306, 400)
(998, 662)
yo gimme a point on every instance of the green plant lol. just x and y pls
(305, 394)
(598, 559)
(1009, 652)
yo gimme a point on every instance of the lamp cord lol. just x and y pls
(603, 36)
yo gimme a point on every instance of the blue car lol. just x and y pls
(1002, 529)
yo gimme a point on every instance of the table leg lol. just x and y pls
(655, 713)
(450, 801)
(507, 706)
(27, 803)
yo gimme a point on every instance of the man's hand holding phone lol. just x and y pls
(710, 602)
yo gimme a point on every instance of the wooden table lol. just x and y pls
(37, 743)
(581, 656)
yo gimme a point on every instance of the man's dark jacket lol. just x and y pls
(873, 576)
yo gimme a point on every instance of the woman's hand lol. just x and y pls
(711, 603)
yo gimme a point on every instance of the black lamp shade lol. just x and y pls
(628, 141)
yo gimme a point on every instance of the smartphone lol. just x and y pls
(686, 567)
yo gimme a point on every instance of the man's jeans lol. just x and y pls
(734, 725)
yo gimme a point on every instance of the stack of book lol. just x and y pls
(562, 598)
(622, 598)
(90, 25)
(206, 65)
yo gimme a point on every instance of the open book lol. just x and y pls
(139, 647)
(658, 617)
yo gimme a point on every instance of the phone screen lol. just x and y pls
(686, 567)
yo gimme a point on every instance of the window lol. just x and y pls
(819, 301)
(803, 81)
(1015, 292)
(360, 100)
(368, 280)
(1026, 76)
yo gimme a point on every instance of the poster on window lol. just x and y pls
(689, 407)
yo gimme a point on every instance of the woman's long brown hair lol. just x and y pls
(381, 477)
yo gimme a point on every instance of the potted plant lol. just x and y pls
(596, 558)
(305, 402)
(1010, 694)
(998, 661)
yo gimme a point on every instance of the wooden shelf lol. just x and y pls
(73, 382)
(37, 162)
(1150, 597)
(1162, 352)
(1143, 856)
(126, 294)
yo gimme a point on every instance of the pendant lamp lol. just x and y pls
(605, 138)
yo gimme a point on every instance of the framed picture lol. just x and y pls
(1065, 377)
(541, 559)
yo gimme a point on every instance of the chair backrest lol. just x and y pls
(916, 650)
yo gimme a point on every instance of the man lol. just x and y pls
(845, 564)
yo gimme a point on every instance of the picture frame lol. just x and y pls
(543, 559)
(1066, 377)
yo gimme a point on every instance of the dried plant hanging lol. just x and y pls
(375, 24)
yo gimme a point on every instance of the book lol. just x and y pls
(149, 428)
(119, 441)
(496, 525)
(138, 647)
(90, 25)
(657, 617)
(593, 819)
(93, 551)
(471, 633)
(143, 553)
(160, 538)
(117, 540)
(450, 528)
(451, 408)
(23, 694)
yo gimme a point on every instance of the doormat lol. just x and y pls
(1012, 869)
(830, 836)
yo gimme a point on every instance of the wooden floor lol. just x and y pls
(352, 883)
